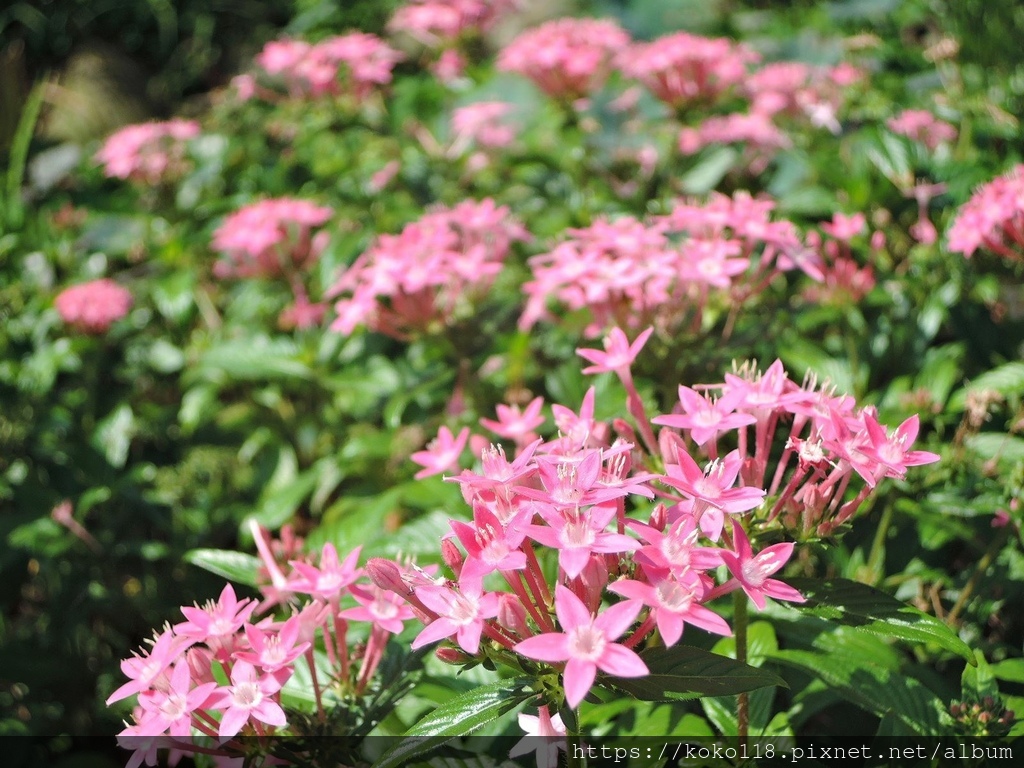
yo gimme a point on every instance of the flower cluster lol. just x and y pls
(353, 65)
(683, 69)
(271, 238)
(630, 273)
(94, 306)
(180, 694)
(799, 90)
(626, 570)
(429, 272)
(481, 124)
(755, 130)
(439, 23)
(568, 59)
(993, 219)
(922, 126)
(148, 153)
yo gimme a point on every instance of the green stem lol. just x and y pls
(575, 757)
(994, 548)
(739, 628)
(877, 553)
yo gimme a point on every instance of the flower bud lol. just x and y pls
(452, 556)
(659, 517)
(512, 615)
(450, 655)
(386, 575)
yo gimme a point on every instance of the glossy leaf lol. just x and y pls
(238, 567)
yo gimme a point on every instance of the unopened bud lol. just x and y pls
(624, 430)
(671, 446)
(452, 556)
(593, 579)
(450, 655)
(512, 615)
(659, 518)
(386, 575)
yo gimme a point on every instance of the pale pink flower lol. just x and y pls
(891, 450)
(144, 671)
(274, 649)
(568, 59)
(94, 306)
(674, 601)
(481, 124)
(171, 710)
(442, 453)
(330, 577)
(490, 544)
(215, 622)
(712, 491)
(545, 735)
(380, 607)
(437, 23)
(578, 533)
(922, 126)
(993, 219)
(249, 697)
(586, 644)
(515, 423)
(148, 153)
(705, 417)
(618, 355)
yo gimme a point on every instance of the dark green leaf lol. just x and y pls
(871, 610)
(685, 672)
(459, 717)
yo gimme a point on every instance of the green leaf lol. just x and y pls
(1007, 380)
(709, 171)
(459, 717)
(871, 610)
(883, 692)
(1010, 670)
(994, 446)
(114, 435)
(685, 672)
(252, 360)
(977, 682)
(236, 566)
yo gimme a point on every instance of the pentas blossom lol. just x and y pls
(439, 23)
(271, 238)
(993, 219)
(353, 65)
(683, 69)
(795, 89)
(431, 272)
(442, 453)
(545, 735)
(517, 423)
(568, 59)
(249, 698)
(922, 126)
(460, 612)
(148, 153)
(587, 644)
(751, 571)
(482, 125)
(94, 306)
(756, 131)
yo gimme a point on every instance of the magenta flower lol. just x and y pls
(587, 644)
(490, 546)
(249, 697)
(441, 454)
(380, 607)
(674, 602)
(618, 355)
(578, 533)
(711, 490)
(751, 571)
(331, 577)
(890, 451)
(460, 612)
(706, 417)
(143, 671)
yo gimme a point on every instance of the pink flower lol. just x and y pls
(148, 153)
(274, 649)
(481, 124)
(673, 601)
(923, 127)
(586, 644)
(441, 454)
(711, 490)
(993, 219)
(751, 572)
(516, 424)
(490, 545)
(216, 621)
(143, 671)
(844, 227)
(94, 306)
(682, 68)
(890, 451)
(171, 709)
(330, 578)
(380, 607)
(459, 612)
(436, 23)
(619, 354)
(270, 239)
(249, 697)
(568, 59)
(706, 418)
(545, 735)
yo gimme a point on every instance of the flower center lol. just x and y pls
(577, 534)
(246, 695)
(673, 597)
(587, 643)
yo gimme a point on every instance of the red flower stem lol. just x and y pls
(533, 568)
(311, 660)
(641, 632)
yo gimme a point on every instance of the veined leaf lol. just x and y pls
(871, 610)
(883, 692)
(239, 567)
(685, 672)
(1007, 380)
(459, 717)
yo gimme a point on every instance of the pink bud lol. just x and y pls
(659, 518)
(450, 655)
(593, 579)
(452, 556)
(512, 615)
(671, 446)
(386, 575)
